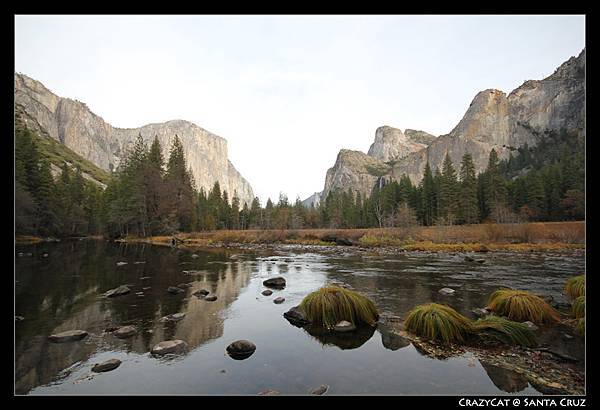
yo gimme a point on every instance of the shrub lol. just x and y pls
(332, 304)
(505, 331)
(578, 307)
(575, 287)
(522, 306)
(439, 322)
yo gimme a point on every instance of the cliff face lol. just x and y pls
(492, 121)
(354, 170)
(73, 124)
(391, 144)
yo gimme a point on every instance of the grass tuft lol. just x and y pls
(332, 304)
(580, 327)
(578, 307)
(522, 306)
(505, 331)
(440, 322)
(575, 287)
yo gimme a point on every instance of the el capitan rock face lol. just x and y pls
(493, 120)
(73, 124)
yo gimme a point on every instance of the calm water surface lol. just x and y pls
(64, 291)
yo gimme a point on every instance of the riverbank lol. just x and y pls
(529, 237)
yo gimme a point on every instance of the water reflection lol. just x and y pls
(64, 292)
(77, 274)
(343, 340)
(505, 379)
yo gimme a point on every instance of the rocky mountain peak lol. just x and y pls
(391, 144)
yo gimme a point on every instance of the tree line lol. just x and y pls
(150, 195)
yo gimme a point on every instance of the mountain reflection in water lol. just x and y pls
(65, 292)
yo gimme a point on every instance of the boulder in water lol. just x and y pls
(277, 283)
(68, 336)
(241, 349)
(169, 346)
(125, 332)
(121, 290)
(106, 366)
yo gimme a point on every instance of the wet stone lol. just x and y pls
(68, 336)
(267, 292)
(175, 317)
(106, 366)
(201, 293)
(211, 298)
(480, 312)
(169, 346)
(241, 349)
(530, 325)
(446, 291)
(278, 283)
(321, 390)
(121, 290)
(174, 290)
(296, 317)
(269, 392)
(121, 263)
(279, 300)
(125, 332)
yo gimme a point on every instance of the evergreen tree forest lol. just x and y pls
(151, 195)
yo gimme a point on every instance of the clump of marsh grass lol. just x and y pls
(578, 307)
(332, 304)
(521, 306)
(439, 322)
(575, 287)
(580, 326)
(505, 331)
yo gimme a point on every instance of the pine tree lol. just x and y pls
(448, 201)
(469, 210)
(428, 197)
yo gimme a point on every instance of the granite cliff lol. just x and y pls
(73, 124)
(493, 120)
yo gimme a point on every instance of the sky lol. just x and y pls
(288, 92)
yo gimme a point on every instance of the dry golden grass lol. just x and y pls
(27, 239)
(575, 287)
(439, 322)
(548, 236)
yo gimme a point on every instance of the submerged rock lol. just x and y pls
(269, 392)
(174, 290)
(296, 317)
(469, 259)
(321, 390)
(121, 290)
(173, 317)
(277, 283)
(68, 336)
(279, 300)
(169, 346)
(446, 291)
(241, 349)
(505, 379)
(211, 298)
(106, 366)
(125, 332)
(344, 326)
(267, 292)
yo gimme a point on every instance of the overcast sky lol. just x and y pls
(288, 92)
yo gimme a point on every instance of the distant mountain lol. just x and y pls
(493, 120)
(71, 123)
